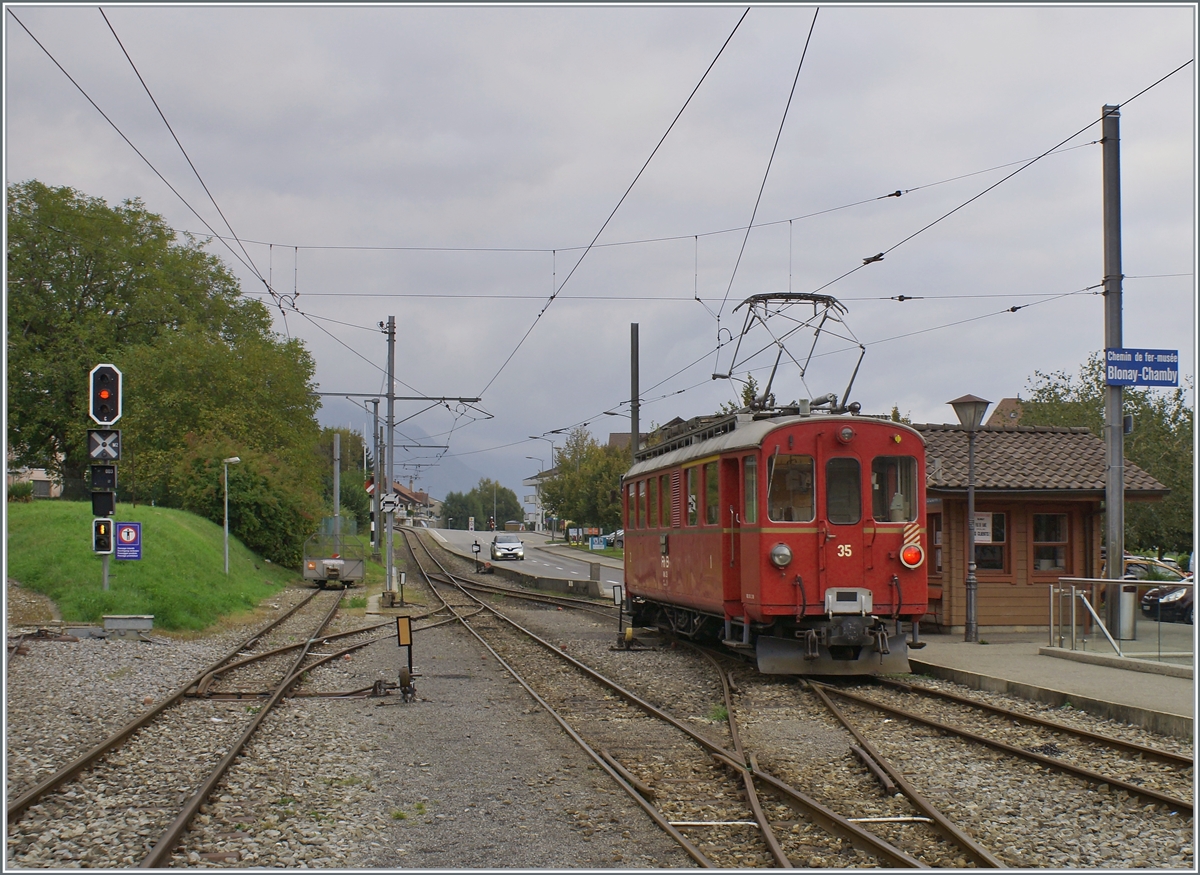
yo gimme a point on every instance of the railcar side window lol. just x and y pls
(843, 491)
(652, 520)
(894, 488)
(670, 499)
(631, 508)
(712, 499)
(693, 495)
(750, 511)
(790, 494)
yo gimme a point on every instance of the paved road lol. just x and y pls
(539, 559)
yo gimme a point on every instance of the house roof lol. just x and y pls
(1025, 459)
(409, 496)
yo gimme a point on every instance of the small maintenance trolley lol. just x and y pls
(333, 557)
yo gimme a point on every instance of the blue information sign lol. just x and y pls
(1141, 367)
(128, 541)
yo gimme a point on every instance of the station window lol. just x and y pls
(790, 493)
(750, 474)
(843, 491)
(652, 503)
(894, 489)
(935, 540)
(990, 541)
(1050, 542)
(693, 495)
(712, 495)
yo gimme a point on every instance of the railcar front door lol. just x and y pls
(840, 523)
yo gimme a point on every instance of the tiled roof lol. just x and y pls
(1025, 458)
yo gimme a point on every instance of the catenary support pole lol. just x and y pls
(376, 521)
(635, 407)
(387, 443)
(337, 489)
(1114, 438)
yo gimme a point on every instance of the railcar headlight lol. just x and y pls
(781, 556)
(912, 555)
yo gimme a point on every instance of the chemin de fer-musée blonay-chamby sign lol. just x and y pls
(1141, 367)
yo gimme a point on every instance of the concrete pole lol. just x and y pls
(635, 407)
(337, 488)
(377, 522)
(1114, 437)
(387, 442)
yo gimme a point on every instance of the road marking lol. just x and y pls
(438, 535)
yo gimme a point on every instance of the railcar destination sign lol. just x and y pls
(1141, 367)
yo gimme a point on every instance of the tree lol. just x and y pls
(85, 282)
(747, 395)
(586, 487)
(353, 498)
(1161, 444)
(205, 376)
(488, 498)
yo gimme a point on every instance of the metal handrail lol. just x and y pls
(1059, 589)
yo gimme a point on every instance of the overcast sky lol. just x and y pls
(449, 166)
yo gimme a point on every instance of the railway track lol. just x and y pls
(1019, 785)
(112, 805)
(686, 779)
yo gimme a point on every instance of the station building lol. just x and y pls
(1039, 511)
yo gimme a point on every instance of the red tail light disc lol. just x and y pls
(912, 555)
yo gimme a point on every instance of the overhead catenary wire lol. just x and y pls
(129, 142)
(567, 279)
(770, 161)
(175, 137)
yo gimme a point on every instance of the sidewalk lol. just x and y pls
(1138, 689)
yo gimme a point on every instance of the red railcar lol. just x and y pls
(800, 539)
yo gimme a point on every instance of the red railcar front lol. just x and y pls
(801, 538)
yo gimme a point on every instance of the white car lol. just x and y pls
(507, 546)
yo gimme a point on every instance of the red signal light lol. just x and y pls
(912, 555)
(105, 394)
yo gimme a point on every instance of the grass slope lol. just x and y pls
(180, 578)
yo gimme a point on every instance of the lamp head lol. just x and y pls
(970, 410)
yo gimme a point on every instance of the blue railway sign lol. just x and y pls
(1141, 367)
(128, 541)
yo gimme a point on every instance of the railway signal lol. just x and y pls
(102, 535)
(105, 395)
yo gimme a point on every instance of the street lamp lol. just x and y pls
(970, 410)
(232, 460)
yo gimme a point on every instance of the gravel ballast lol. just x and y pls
(471, 775)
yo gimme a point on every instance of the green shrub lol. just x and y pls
(20, 491)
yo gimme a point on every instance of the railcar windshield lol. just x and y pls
(790, 495)
(843, 495)
(894, 488)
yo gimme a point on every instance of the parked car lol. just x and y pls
(1170, 604)
(1145, 568)
(507, 546)
(615, 539)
